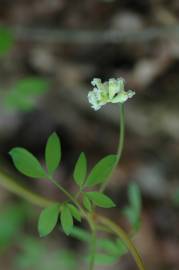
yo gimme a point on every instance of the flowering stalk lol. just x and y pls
(112, 91)
(120, 145)
(73, 207)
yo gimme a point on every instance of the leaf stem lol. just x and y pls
(124, 237)
(63, 190)
(87, 217)
(120, 145)
(73, 199)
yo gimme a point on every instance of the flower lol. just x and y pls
(111, 91)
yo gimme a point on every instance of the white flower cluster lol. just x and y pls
(110, 91)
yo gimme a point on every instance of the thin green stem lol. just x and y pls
(93, 249)
(63, 190)
(71, 198)
(78, 193)
(120, 145)
(122, 133)
(16, 188)
(124, 237)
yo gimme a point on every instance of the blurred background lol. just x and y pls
(50, 50)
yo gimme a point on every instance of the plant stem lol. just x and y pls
(124, 237)
(93, 250)
(33, 198)
(14, 187)
(73, 199)
(64, 191)
(120, 145)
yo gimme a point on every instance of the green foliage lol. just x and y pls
(80, 234)
(80, 170)
(105, 259)
(66, 219)
(135, 197)
(100, 199)
(108, 246)
(32, 251)
(53, 153)
(101, 171)
(109, 250)
(87, 203)
(26, 163)
(12, 218)
(6, 40)
(74, 211)
(121, 247)
(31, 85)
(114, 248)
(48, 219)
(133, 211)
(35, 254)
(24, 94)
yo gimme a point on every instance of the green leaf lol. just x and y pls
(6, 40)
(23, 95)
(105, 259)
(87, 203)
(100, 199)
(135, 197)
(80, 170)
(116, 248)
(74, 211)
(26, 163)
(48, 219)
(16, 101)
(121, 247)
(53, 153)
(133, 217)
(31, 86)
(101, 171)
(108, 246)
(81, 234)
(66, 220)
(133, 211)
(13, 217)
